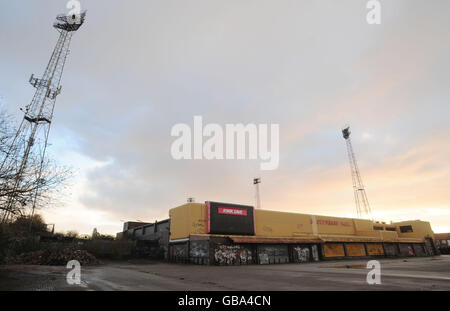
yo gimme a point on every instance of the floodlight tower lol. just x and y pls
(256, 182)
(362, 203)
(34, 130)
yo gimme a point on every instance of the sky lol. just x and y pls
(137, 68)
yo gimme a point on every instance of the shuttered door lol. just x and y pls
(301, 253)
(419, 249)
(273, 254)
(375, 249)
(406, 250)
(333, 250)
(356, 250)
(232, 255)
(429, 246)
(391, 249)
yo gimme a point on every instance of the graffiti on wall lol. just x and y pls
(268, 254)
(267, 229)
(232, 255)
(199, 249)
(302, 253)
(406, 250)
(179, 250)
(199, 226)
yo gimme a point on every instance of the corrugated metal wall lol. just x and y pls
(272, 254)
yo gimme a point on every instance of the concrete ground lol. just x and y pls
(426, 273)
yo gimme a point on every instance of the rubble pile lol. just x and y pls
(53, 258)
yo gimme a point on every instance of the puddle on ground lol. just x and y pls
(349, 267)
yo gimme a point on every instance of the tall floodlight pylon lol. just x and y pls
(34, 129)
(362, 203)
(256, 182)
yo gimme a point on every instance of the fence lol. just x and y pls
(189, 260)
(205, 261)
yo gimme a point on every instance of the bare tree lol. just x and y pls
(32, 185)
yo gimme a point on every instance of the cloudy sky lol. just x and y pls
(139, 67)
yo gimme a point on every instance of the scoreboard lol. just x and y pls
(225, 218)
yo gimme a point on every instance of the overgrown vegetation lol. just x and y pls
(18, 245)
(24, 226)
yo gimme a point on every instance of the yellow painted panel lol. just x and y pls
(363, 225)
(179, 225)
(355, 250)
(281, 224)
(421, 229)
(197, 213)
(375, 249)
(333, 250)
(335, 225)
(370, 233)
(191, 219)
(389, 235)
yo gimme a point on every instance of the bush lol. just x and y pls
(53, 258)
(11, 246)
(21, 226)
(16, 238)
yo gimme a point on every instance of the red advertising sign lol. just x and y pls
(232, 211)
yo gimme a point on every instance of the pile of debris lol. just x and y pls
(53, 258)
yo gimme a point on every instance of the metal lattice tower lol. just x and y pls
(362, 203)
(34, 129)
